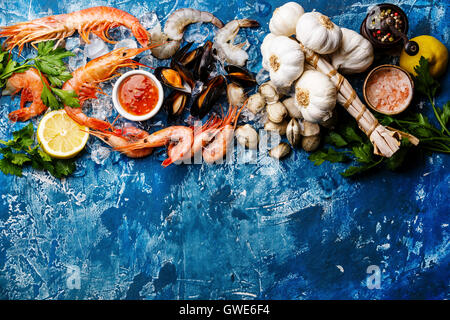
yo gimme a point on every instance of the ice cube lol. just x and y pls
(96, 48)
(149, 20)
(148, 60)
(262, 76)
(72, 43)
(78, 60)
(196, 33)
(100, 154)
(126, 43)
(102, 107)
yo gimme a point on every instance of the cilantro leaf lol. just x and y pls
(9, 168)
(335, 139)
(68, 97)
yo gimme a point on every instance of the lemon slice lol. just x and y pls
(60, 136)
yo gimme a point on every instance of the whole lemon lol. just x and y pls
(431, 49)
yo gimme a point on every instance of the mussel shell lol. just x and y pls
(209, 95)
(179, 56)
(205, 63)
(240, 76)
(189, 59)
(176, 102)
(181, 73)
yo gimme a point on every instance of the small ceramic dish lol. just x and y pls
(124, 113)
(388, 89)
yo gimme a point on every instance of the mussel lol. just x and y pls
(188, 59)
(175, 102)
(178, 77)
(209, 95)
(205, 63)
(240, 75)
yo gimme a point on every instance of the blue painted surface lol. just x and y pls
(285, 230)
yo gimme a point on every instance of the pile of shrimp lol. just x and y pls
(211, 141)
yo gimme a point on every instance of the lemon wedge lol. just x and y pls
(60, 136)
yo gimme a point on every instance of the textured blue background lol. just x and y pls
(284, 230)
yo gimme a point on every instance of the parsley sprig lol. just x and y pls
(22, 150)
(349, 144)
(48, 61)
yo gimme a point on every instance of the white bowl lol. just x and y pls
(122, 111)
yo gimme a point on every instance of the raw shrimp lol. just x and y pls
(123, 138)
(97, 20)
(174, 30)
(202, 136)
(180, 137)
(85, 81)
(218, 148)
(223, 41)
(31, 85)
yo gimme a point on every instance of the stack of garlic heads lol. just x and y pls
(283, 58)
(354, 55)
(284, 19)
(315, 95)
(318, 33)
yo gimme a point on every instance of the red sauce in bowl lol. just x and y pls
(138, 94)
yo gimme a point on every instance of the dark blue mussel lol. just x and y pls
(240, 76)
(209, 95)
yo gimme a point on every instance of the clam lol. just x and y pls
(311, 135)
(280, 151)
(256, 103)
(236, 95)
(293, 132)
(240, 75)
(247, 136)
(276, 112)
(292, 108)
(177, 77)
(269, 92)
(206, 99)
(176, 102)
(278, 127)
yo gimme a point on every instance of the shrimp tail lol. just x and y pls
(167, 162)
(141, 35)
(92, 123)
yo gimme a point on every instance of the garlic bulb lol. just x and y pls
(318, 33)
(354, 55)
(284, 19)
(283, 58)
(316, 95)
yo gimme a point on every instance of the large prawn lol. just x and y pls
(124, 137)
(223, 41)
(30, 83)
(174, 30)
(217, 149)
(96, 20)
(179, 137)
(85, 81)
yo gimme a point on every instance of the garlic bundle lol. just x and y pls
(315, 94)
(283, 58)
(284, 19)
(354, 55)
(318, 33)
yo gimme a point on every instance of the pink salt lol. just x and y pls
(389, 90)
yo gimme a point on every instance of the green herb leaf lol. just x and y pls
(424, 82)
(68, 97)
(9, 168)
(335, 139)
(318, 157)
